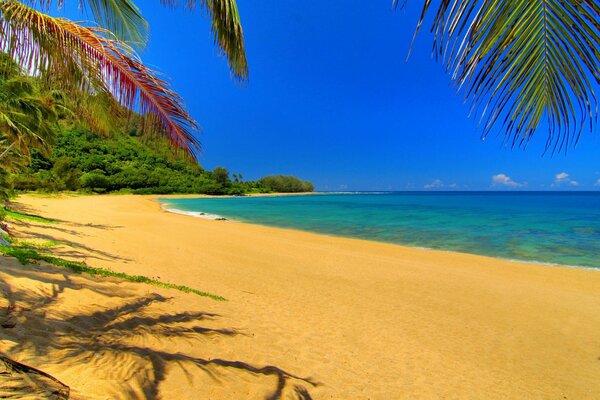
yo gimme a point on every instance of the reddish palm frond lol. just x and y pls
(65, 52)
(122, 17)
(227, 29)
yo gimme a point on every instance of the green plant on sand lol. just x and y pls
(28, 253)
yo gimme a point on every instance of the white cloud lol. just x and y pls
(439, 184)
(436, 184)
(564, 178)
(597, 183)
(505, 180)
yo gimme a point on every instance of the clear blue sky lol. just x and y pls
(332, 100)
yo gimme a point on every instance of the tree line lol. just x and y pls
(82, 160)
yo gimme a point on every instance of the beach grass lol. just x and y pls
(45, 244)
(28, 253)
(19, 216)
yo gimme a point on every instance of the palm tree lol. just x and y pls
(521, 62)
(100, 58)
(28, 117)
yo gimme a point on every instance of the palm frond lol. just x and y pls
(26, 116)
(122, 17)
(100, 112)
(66, 52)
(227, 30)
(521, 62)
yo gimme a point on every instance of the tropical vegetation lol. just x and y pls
(125, 162)
(27, 118)
(285, 184)
(49, 148)
(46, 60)
(99, 57)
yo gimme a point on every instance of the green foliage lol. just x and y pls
(82, 160)
(28, 112)
(18, 216)
(46, 244)
(4, 187)
(28, 254)
(285, 184)
(49, 142)
(28, 119)
(95, 180)
(221, 176)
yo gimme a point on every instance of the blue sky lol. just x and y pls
(332, 100)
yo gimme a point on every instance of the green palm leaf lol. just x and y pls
(27, 116)
(227, 30)
(122, 17)
(520, 62)
(89, 59)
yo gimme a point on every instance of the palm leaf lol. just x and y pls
(65, 52)
(122, 17)
(521, 62)
(26, 116)
(100, 112)
(227, 30)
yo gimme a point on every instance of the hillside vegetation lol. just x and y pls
(56, 140)
(82, 160)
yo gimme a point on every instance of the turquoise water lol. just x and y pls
(556, 228)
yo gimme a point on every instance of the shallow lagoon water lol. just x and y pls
(555, 228)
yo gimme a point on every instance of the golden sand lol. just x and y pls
(307, 316)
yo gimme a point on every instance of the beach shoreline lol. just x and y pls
(203, 214)
(364, 319)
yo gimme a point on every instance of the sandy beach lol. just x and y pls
(307, 316)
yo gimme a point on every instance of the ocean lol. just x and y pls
(543, 227)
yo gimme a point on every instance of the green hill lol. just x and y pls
(82, 160)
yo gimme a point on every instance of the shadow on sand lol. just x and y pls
(120, 328)
(74, 247)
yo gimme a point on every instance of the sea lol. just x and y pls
(558, 228)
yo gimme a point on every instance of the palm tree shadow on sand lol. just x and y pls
(129, 337)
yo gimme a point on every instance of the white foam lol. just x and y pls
(196, 214)
(548, 264)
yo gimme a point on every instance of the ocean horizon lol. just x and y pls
(547, 227)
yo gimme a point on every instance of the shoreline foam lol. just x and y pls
(195, 214)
